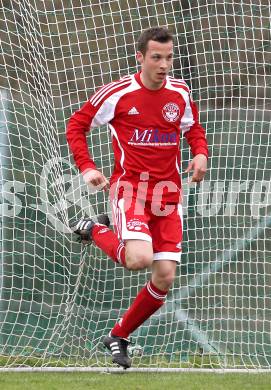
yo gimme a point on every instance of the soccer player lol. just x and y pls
(146, 112)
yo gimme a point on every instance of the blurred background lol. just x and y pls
(56, 300)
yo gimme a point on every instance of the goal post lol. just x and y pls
(57, 300)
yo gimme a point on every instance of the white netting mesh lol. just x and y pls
(56, 302)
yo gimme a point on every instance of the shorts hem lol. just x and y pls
(136, 236)
(175, 256)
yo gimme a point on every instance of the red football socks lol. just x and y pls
(149, 299)
(108, 242)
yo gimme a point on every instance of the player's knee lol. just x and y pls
(138, 261)
(164, 279)
(168, 281)
(164, 284)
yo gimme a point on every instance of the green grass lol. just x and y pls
(154, 361)
(133, 381)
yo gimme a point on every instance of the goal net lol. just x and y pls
(57, 299)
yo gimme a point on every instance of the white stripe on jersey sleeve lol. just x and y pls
(109, 91)
(178, 81)
(107, 110)
(107, 88)
(187, 119)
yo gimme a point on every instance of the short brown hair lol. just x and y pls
(158, 34)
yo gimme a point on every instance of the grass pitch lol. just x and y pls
(133, 381)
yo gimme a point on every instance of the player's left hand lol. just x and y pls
(199, 167)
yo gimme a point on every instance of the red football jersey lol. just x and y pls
(145, 127)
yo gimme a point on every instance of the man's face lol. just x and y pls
(156, 63)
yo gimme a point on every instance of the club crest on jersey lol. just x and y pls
(171, 112)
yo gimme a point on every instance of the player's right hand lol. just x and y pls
(96, 180)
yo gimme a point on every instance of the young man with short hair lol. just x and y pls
(146, 113)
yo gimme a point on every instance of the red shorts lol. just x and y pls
(149, 221)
